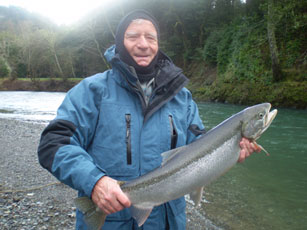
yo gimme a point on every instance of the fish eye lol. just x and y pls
(261, 115)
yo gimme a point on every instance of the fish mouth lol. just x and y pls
(269, 117)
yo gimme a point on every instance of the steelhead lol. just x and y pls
(187, 169)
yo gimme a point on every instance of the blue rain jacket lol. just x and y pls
(104, 127)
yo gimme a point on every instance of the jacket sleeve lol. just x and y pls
(195, 125)
(63, 143)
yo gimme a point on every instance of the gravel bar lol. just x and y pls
(30, 197)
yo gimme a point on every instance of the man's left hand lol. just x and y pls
(247, 148)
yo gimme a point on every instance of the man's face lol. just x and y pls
(141, 41)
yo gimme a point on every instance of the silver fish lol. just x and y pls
(187, 169)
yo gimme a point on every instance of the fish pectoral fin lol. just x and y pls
(196, 195)
(92, 215)
(140, 214)
(166, 156)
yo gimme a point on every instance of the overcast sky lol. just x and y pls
(59, 11)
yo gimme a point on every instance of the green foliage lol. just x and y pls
(290, 21)
(226, 40)
(225, 49)
(210, 51)
(239, 51)
(4, 68)
(283, 94)
(21, 70)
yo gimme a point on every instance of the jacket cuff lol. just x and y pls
(95, 175)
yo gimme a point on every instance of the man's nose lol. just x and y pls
(142, 43)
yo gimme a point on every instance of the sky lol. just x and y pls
(61, 12)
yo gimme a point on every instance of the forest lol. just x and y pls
(233, 51)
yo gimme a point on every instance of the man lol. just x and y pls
(115, 125)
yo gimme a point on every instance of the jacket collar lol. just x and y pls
(126, 73)
(169, 80)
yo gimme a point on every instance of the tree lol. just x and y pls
(276, 70)
(10, 52)
(26, 43)
(5, 46)
(253, 6)
(51, 40)
(4, 68)
(97, 47)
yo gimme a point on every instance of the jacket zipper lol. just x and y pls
(173, 132)
(128, 138)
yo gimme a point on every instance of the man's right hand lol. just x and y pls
(108, 196)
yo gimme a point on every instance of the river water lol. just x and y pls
(264, 192)
(39, 107)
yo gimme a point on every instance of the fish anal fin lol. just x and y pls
(140, 214)
(196, 195)
(166, 156)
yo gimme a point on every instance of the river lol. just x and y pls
(264, 192)
(38, 107)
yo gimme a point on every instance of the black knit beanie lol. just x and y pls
(119, 40)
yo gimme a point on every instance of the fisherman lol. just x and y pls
(113, 126)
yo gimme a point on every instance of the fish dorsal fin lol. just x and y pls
(140, 214)
(166, 156)
(196, 195)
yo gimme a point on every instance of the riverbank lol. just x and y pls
(282, 94)
(46, 85)
(207, 85)
(27, 202)
(287, 94)
(30, 197)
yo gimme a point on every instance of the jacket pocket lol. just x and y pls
(114, 147)
(128, 138)
(173, 132)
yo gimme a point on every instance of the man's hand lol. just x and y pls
(247, 148)
(108, 196)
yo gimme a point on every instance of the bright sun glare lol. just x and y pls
(59, 11)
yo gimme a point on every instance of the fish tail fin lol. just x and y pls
(92, 215)
(140, 214)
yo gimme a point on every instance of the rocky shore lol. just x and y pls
(30, 197)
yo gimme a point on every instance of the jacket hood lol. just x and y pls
(120, 37)
(168, 70)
